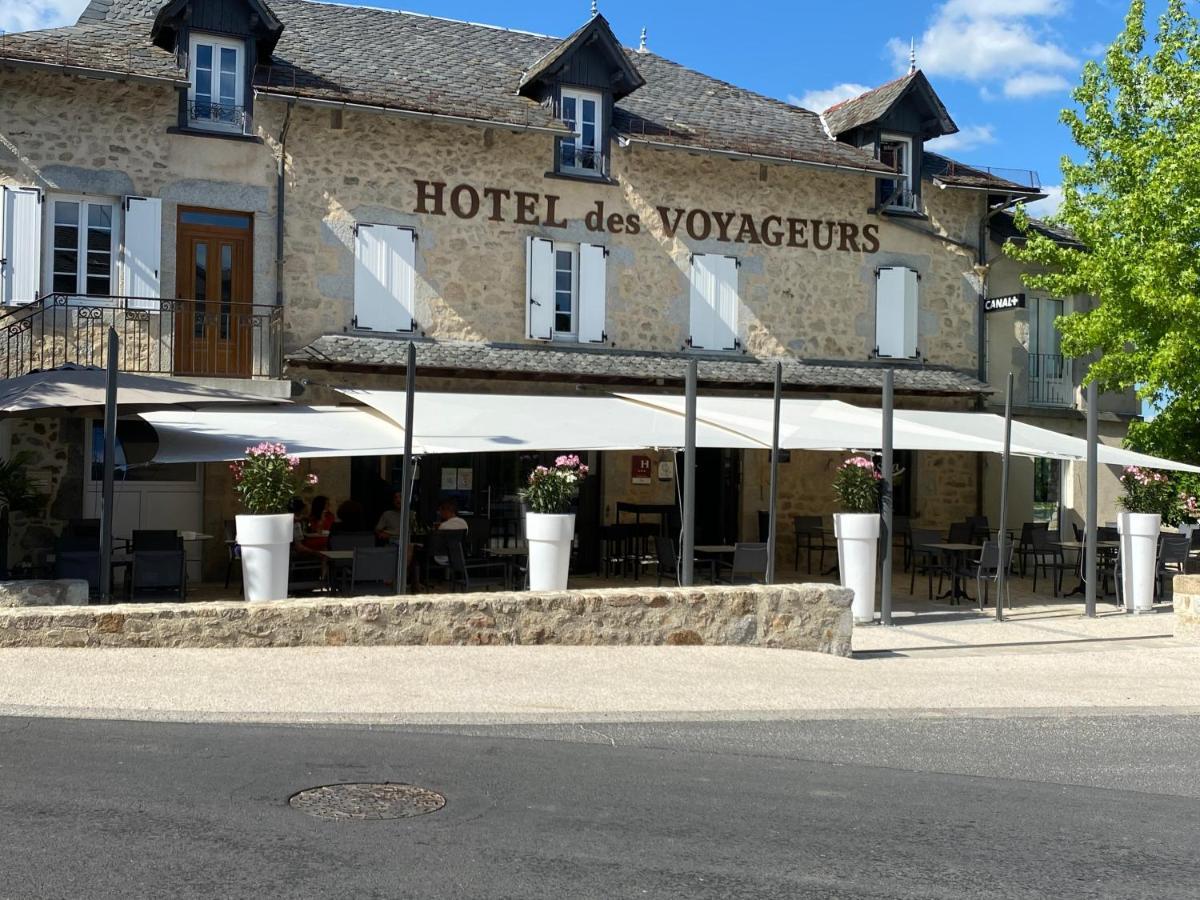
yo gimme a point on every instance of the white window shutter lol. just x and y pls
(141, 253)
(714, 302)
(593, 286)
(726, 322)
(539, 288)
(911, 309)
(890, 312)
(20, 245)
(702, 319)
(384, 278)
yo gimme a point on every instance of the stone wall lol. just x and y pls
(56, 448)
(1186, 599)
(812, 617)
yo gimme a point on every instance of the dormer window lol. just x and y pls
(216, 95)
(896, 152)
(582, 112)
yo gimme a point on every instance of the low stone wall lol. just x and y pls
(49, 592)
(794, 617)
(1186, 598)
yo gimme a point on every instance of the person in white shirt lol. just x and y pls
(448, 520)
(389, 523)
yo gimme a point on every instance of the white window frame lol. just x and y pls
(572, 334)
(218, 43)
(1036, 338)
(579, 95)
(905, 173)
(82, 201)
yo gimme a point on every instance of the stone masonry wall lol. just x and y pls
(812, 617)
(1186, 599)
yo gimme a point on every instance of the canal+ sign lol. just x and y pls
(1005, 303)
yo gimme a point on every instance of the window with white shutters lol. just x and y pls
(896, 309)
(714, 302)
(566, 287)
(141, 252)
(82, 242)
(20, 245)
(384, 278)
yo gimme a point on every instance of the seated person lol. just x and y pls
(318, 524)
(389, 524)
(351, 518)
(448, 520)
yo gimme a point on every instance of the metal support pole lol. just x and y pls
(1002, 531)
(771, 506)
(885, 580)
(110, 455)
(1089, 557)
(687, 550)
(410, 391)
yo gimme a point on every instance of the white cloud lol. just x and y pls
(967, 138)
(28, 15)
(1096, 49)
(1030, 84)
(821, 100)
(1042, 208)
(989, 41)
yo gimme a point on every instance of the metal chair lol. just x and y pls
(902, 537)
(1025, 543)
(374, 565)
(79, 558)
(988, 568)
(668, 562)
(927, 560)
(960, 533)
(473, 575)
(1047, 557)
(810, 532)
(749, 564)
(1173, 550)
(232, 548)
(159, 564)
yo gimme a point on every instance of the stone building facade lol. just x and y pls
(338, 204)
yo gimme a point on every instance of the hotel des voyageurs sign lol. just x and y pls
(465, 201)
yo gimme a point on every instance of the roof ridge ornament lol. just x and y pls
(595, 9)
(912, 54)
(642, 48)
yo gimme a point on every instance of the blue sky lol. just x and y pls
(1003, 67)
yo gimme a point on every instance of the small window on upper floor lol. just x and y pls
(896, 152)
(583, 113)
(217, 75)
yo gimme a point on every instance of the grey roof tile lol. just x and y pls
(621, 366)
(875, 103)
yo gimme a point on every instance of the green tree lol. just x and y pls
(1133, 200)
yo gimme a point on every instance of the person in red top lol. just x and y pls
(320, 520)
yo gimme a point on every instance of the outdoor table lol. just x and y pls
(716, 549)
(957, 553)
(1103, 548)
(509, 556)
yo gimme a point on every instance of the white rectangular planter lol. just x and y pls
(1139, 558)
(549, 536)
(266, 546)
(858, 547)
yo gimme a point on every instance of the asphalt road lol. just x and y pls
(896, 806)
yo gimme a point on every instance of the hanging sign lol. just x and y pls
(1005, 303)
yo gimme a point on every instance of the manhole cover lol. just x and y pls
(367, 801)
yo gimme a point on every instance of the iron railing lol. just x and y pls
(157, 337)
(207, 114)
(1050, 382)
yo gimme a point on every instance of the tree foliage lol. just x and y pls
(1133, 200)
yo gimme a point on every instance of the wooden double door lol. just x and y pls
(215, 327)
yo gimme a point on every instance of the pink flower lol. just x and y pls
(312, 478)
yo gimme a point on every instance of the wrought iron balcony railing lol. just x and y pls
(1050, 382)
(207, 114)
(157, 337)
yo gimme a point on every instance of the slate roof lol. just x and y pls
(1004, 228)
(583, 364)
(426, 64)
(874, 104)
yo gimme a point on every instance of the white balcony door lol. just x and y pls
(1049, 375)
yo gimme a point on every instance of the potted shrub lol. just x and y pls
(1148, 496)
(857, 485)
(549, 522)
(267, 480)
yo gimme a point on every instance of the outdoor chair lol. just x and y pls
(1025, 543)
(668, 562)
(374, 566)
(960, 533)
(1047, 557)
(988, 568)
(84, 528)
(305, 573)
(980, 531)
(1173, 552)
(159, 565)
(474, 575)
(78, 558)
(479, 536)
(439, 545)
(902, 538)
(232, 548)
(811, 534)
(764, 525)
(926, 560)
(749, 564)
